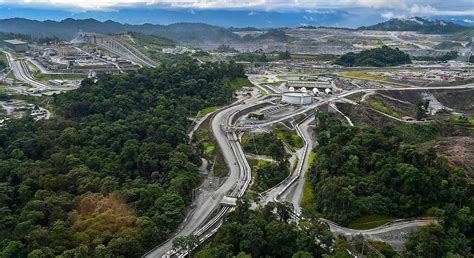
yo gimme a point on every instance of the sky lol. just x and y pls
(391, 8)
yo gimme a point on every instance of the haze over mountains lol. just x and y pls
(351, 18)
(194, 32)
(417, 24)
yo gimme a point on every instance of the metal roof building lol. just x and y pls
(16, 45)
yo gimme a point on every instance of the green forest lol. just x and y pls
(451, 55)
(378, 57)
(267, 232)
(384, 172)
(267, 174)
(111, 174)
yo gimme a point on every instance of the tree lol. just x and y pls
(302, 254)
(279, 239)
(428, 242)
(13, 249)
(187, 243)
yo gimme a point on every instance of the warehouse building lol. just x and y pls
(296, 98)
(16, 45)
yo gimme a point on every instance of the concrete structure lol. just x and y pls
(310, 84)
(296, 98)
(16, 45)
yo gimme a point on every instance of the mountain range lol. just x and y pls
(196, 32)
(334, 17)
(67, 29)
(417, 24)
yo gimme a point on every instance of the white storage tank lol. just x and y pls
(296, 98)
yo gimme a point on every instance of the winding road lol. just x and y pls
(207, 216)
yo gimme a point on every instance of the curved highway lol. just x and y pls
(235, 185)
(21, 72)
(201, 221)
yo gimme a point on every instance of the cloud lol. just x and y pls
(381, 3)
(430, 10)
(391, 15)
(391, 8)
(264, 4)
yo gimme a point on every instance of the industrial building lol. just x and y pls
(310, 84)
(16, 45)
(296, 98)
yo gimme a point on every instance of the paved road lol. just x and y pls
(333, 106)
(234, 157)
(294, 194)
(235, 183)
(21, 72)
(395, 233)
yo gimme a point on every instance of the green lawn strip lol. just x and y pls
(308, 201)
(370, 77)
(370, 221)
(363, 76)
(220, 167)
(48, 77)
(321, 57)
(33, 66)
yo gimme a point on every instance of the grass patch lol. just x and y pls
(321, 57)
(289, 136)
(308, 201)
(240, 83)
(370, 221)
(380, 106)
(3, 60)
(208, 110)
(33, 66)
(363, 76)
(48, 77)
(207, 145)
(220, 167)
(466, 122)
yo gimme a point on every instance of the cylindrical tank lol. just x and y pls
(296, 98)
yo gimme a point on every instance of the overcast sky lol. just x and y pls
(396, 7)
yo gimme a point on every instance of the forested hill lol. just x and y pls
(385, 172)
(68, 29)
(417, 24)
(111, 174)
(378, 57)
